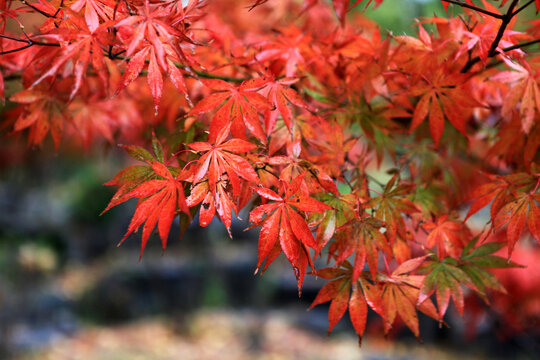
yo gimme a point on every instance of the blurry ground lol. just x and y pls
(224, 335)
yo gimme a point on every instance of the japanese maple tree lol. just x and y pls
(344, 143)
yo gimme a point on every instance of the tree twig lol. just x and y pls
(522, 7)
(38, 10)
(506, 19)
(475, 8)
(521, 45)
(29, 42)
(59, 8)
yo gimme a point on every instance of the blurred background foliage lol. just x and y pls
(67, 291)
(397, 15)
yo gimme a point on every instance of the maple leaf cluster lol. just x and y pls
(342, 143)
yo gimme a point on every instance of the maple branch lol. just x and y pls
(29, 42)
(41, 11)
(59, 8)
(494, 63)
(520, 45)
(475, 8)
(14, 50)
(506, 19)
(199, 73)
(522, 7)
(219, 77)
(131, 12)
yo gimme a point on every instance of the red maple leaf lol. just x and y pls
(400, 293)
(337, 291)
(514, 203)
(288, 48)
(280, 94)
(450, 236)
(212, 200)
(442, 93)
(284, 222)
(391, 205)
(524, 89)
(522, 210)
(158, 203)
(94, 10)
(154, 37)
(160, 194)
(43, 113)
(81, 49)
(363, 237)
(220, 166)
(239, 105)
(219, 158)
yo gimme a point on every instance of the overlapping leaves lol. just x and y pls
(160, 194)
(283, 223)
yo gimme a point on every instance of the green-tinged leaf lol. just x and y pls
(444, 280)
(469, 246)
(157, 148)
(131, 174)
(485, 249)
(493, 262)
(138, 153)
(483, 279)
(391, 206)
(331, 273)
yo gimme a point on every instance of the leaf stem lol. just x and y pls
(40, 11)
(520, 45)
(506, 19)
(29, 42)
(202, 74)
(475, 8)
(59, 8)
(522, 7)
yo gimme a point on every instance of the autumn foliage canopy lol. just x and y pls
(341, 142)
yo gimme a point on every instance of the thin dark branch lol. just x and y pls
(37, 10)
(475, 8)
(198, 73)
(44, 44)
(29, 42)
(13, 38)
(505, 21)
(117, 55)
(59, 8)
(131, 12)
(15, 50)
(521, 45)
(206, 75)
(522, 7)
